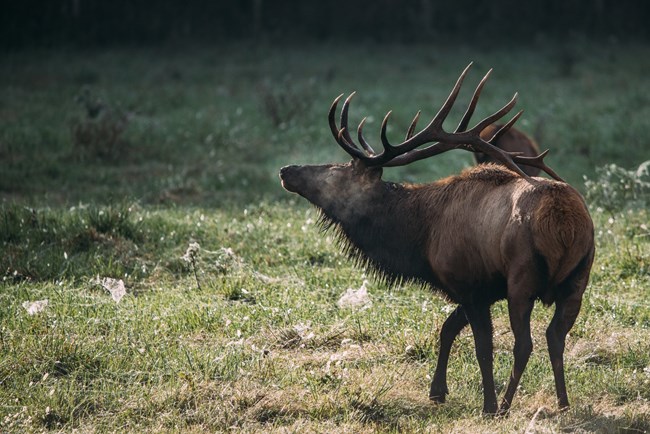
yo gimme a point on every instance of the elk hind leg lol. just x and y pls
(519, 311)
(567, 307)
(481, 323)
(452, 326)
(566, 311)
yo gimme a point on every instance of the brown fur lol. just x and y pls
(563, 223)
(478, 237)
(512, 141)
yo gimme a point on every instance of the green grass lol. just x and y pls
(248, 336)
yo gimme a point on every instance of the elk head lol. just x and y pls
(335, 187)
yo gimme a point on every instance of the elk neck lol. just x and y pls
(388, 233)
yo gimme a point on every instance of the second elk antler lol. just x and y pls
(443, 141)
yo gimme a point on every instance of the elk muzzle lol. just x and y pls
(289, 178)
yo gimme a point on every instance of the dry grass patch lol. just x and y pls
(608, 344)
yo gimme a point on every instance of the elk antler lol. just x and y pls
(406, 152)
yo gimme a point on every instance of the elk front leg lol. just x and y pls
(519, 311)
(452, 326)
(565, 315)
(481, 323)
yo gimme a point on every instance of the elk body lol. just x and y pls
(488, 234)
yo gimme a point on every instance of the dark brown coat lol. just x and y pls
(478, 237)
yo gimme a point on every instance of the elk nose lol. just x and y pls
(284, 170)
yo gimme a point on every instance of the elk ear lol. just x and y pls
(375, 172)
(371, 172)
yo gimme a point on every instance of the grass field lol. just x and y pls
(160, 168)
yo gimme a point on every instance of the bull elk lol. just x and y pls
(487, 234)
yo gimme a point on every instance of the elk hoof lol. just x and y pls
(503, 411)
(504, 408)
(490, 410)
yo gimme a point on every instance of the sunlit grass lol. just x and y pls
(263, 344)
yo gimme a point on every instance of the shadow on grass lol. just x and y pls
(586, 419)
(388, 414)
(391, 414)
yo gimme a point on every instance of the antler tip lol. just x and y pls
(362, 123)
(335, 102)
(384, 123)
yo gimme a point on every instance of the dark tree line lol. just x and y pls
(89, 23)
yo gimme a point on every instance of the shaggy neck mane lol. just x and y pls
(381, 237)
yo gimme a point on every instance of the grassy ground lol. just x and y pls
(244, 332)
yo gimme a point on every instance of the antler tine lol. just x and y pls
(330, 117)
(439, 118)
(344, 119)
(340, 137)
(411, 129)
(504, 129)
(538, 162)
(340, 134)
(362, 140)
(451, 99)
(388, 148)
(494, 117)
(462, 125)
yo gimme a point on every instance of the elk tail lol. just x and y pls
(563, 231)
